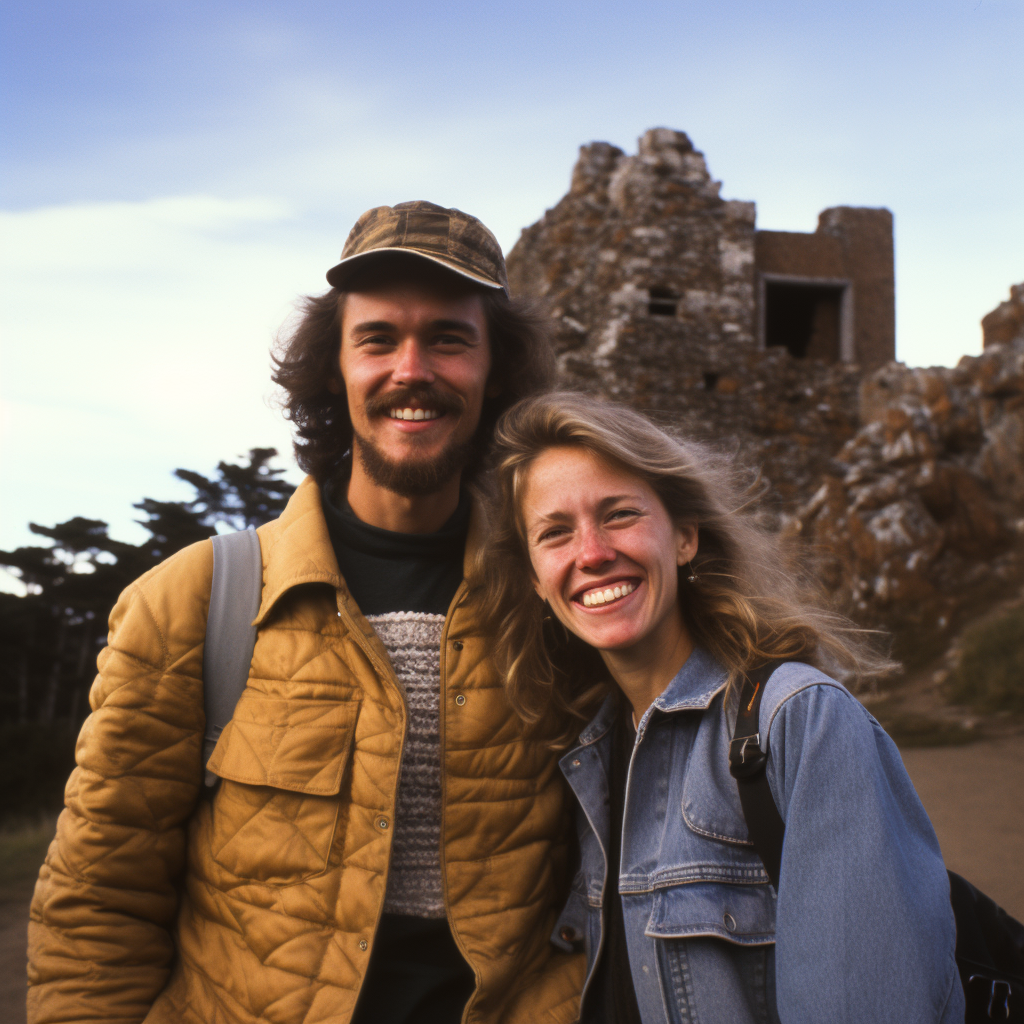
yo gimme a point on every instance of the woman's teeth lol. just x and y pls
(414, 414)
(606, 596)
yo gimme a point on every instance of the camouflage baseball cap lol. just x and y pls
(451, 238)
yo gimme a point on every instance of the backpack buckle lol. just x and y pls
(746, 757)
(998, 996)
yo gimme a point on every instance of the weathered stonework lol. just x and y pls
(1006, 322)
(650, 276)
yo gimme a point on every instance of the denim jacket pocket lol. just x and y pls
(703, 977)
(741, 914)
(282, 764)
(711, 802)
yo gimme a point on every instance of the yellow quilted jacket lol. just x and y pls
(156, 903)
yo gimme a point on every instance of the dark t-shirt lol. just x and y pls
(612, 998)
(416, 974)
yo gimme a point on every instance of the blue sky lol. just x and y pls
(173, 176)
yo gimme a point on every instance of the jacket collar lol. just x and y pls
(297, 547)
(695, 685)
(693, 688)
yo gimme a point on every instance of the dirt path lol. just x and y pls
(974, 796)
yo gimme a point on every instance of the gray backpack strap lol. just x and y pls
(230, 636)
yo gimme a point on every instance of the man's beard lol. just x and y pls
(413, 478)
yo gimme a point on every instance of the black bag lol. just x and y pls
(989, 943)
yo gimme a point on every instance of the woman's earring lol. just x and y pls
(693, 577)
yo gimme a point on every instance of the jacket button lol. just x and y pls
(730, 922)
(567, 934)
(382, 824)
(460, 700)
(363, 944)
(457, 645)
(575, 762)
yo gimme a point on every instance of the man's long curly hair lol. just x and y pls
(306, 361)
(748, 604)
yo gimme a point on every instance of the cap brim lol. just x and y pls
(340, 273)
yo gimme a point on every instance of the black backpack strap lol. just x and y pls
(230, 635)
(747, 763)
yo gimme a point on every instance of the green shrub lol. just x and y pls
(990, 672)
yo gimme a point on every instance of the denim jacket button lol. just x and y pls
(567, 934)
(575, 762)
(730, 922)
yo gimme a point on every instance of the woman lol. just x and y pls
(630, 593)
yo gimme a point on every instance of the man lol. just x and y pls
(385, 843)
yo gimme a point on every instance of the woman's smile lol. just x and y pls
(604, 551)
(604, 594)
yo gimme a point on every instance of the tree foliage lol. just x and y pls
(50, 637)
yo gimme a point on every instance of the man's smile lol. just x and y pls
(414, 414)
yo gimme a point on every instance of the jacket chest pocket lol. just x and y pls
(282, 764)
(715, 950)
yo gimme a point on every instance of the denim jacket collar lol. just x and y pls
(692, 688)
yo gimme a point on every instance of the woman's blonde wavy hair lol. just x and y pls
(747, 605)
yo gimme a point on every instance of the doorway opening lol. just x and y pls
(805, 319)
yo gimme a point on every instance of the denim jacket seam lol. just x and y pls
(824, 681)
(717, 874)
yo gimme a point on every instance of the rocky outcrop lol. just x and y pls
(920, 524)
(1006, 322)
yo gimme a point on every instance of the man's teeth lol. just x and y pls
(607, 595)
(414, 414)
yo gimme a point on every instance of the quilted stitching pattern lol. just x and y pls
(283, 873)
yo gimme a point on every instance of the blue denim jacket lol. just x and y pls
(861, 929)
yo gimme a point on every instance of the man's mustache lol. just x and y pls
(425, 396)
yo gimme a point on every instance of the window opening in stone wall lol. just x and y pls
(710, 381)
(804, 319)
(662, 302)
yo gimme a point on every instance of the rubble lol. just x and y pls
(920, 523)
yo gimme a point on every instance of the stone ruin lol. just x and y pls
(666, 296)
(904, 486)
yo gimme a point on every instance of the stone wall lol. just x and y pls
(630, 224)
(649, 275)
(852, 245)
